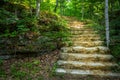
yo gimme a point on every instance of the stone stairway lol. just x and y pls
(87, 56)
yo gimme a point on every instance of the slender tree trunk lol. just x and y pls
(56, 6)
(107, 23)
(37, 8)
(16, 12)
(61, 12)
(49, 7)
(60, 7)
(30, 3)
(82, 10)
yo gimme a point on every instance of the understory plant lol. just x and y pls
(50, 30)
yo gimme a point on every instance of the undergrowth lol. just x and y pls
(50, 30)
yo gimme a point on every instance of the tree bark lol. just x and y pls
(82, 9)
(82, 12)
(30, 3)
(107, 23)
(37, 8)
(56, 6)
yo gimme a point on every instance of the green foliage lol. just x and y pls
(114, 23)
(1, 62)
(30, 65)
(115, 51)
(24, 70)
(46, 6)
(2, 71)
(16, 73)
(50, 27)
(53, 27)
(11, 26)
(53, 71)
(115, 33)
(16, 19)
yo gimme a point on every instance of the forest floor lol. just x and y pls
(30, 68)
(38, 68)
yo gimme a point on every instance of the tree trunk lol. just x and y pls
(82, 9)
(30, 3)
(61, 7)
(37, 8)
(82, 12)
(16, 12)
(107, 23)
(56, 6)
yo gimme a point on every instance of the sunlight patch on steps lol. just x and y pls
(76, 24)
(88, 72)
(99, 49)
(88, 35)
(84, 56)
(91, 48)
(87, 48)
(90, 64)
(88, 43)
(85, 39)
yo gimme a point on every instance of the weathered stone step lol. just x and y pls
(86, 65)
(87, 35)
(81, 49)
(81, 29)
(88, 72)
(86, 57)
(85, 39)
(84, 32)
(88, 43)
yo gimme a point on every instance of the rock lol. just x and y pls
(5, 57)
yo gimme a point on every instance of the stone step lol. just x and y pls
(87, 65)
(88, 72)
(88, 43)
(85, 39)
(86, 57)
(81, 49)
(83, 32)
(81, 29)
(86, 35)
